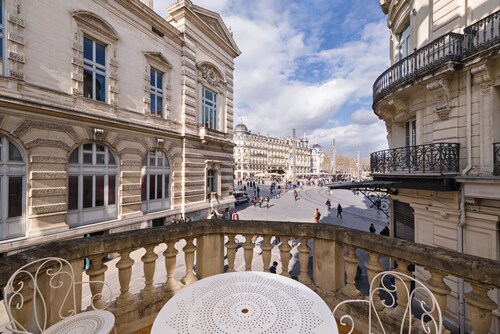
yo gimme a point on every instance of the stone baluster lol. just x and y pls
(189, 250)
(351, 267)
(440, 291)
(285, 249)
(304, 252)
(170, 254)
(479, 308)
(374, 267)
(248, 252)
(403, 288)
(149, 260)
(231, 246)
(266, 252)
(124, 266)
(96, 278)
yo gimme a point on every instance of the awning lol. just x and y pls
(382, 186)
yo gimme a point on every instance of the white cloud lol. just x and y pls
(271, 98)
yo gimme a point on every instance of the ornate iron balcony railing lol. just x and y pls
(496, 159)
(431, 158)
(482, 35)
(444, 49)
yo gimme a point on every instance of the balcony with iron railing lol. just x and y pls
(482, 35)
(436, 158)
(150, 269)
(496, 159)
(479, 38)
(447, 48)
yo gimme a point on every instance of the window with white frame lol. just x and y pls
(92, 184)
(94, 69)
(12, 190)
(211, 181)
(404, 48)
(156, 92)
(155, 182)
(209, 108)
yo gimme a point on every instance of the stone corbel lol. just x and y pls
(159, 143)
(398, 105)
(441, 92)
(98, 134)
(483, 76)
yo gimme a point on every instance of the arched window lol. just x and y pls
(92, 185)
(12, 190)
(155, 182)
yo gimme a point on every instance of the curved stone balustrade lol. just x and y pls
(335, 264)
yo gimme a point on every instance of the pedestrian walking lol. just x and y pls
(339, 210)
(295, 194)
(328, 204)
(385, 231)
(235, 216)
(372, 228)
(258, 191)
(228, 215)
(317, 215)
(267, 201)
(260, 202)
(272, 269)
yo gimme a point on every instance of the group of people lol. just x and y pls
(385, 230)
(231, 215)
(317, 214)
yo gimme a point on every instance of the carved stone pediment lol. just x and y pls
(441, 96)
(94, 22)
(210, 74)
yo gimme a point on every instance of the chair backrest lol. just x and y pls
(385, 289)
(39, 294)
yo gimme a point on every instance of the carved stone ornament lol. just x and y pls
(441, 93)
(210, 74)
(398, 105)
(98, 134)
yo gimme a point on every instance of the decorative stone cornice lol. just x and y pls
(441, 93)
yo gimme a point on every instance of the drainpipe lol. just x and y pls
(461, 224)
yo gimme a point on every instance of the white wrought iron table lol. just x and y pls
(245, 302)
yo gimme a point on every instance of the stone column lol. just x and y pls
(96, 274)
(248, 249)
(209, 255)
(266, 252)
(231, 246)
(351, 267)
(328, 265)
(440, 291)
(285, 249)
(149, 260)
(479, 308)
(304, 251)
(189, 250)
(170, 254)
(124, 266)
(374, 267)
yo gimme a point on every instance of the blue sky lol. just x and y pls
(308, 65)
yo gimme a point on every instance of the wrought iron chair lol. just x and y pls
(41, 296)
(426, 312)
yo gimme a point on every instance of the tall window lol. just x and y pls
(94, 69)
(411, 133)
(404, 48)
(12, 190)
(211, 181)
(209, 107)
(156, 93)
(92, 184)
(155, 182)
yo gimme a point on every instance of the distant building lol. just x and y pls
(111, 117)
(255, 154)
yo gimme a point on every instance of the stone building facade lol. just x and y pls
(111, 117)
(440, 101)
(256, 154)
